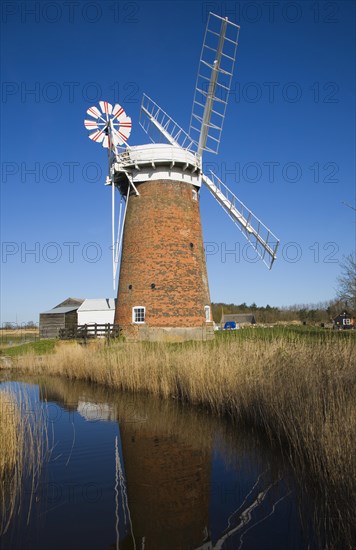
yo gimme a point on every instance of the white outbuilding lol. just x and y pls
(98, 310)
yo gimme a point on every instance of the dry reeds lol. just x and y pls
(23, 444)
(9, 422)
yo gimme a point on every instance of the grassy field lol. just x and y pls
(294, 384)
(12, 337)
(293, 332)
(37, 348)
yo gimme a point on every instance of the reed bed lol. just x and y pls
(300, 392)
(10, 419)
(23, 445)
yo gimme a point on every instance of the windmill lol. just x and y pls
(163, 287)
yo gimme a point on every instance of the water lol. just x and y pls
(132, 472)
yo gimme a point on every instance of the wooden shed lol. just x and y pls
(64, 315)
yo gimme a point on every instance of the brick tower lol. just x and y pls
(163, 286)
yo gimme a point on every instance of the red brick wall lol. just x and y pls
(162, 224)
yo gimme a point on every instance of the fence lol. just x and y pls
(84, 332)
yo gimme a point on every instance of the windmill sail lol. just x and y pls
(213, 83)
(153, 118)
(260, 236)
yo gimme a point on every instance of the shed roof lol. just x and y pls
(57, 310)
(97, 304)
(344, 313)
(239, 318)
(70, 302)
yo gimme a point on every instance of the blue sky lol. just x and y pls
(287, 149)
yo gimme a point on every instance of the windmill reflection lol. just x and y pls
(162, 479)
(164, 488)
(168, 487)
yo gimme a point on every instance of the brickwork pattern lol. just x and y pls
(163, 265)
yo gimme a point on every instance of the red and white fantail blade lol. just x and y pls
(106, 141)
(119, 114)
(121, 134)
(94, 112)
(125, 133)
(106, 108)
(123, 128)
(117, 138)
(98, 136)
(125, 122)
(91, 125)
(117, 111)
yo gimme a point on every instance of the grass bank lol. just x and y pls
(36, 348)
(297, 387)
(9, 337)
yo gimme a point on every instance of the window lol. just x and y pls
(194, 195)
(207, 313)
(138, 314)
(346, 321)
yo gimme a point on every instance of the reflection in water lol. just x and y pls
(168, 477)
(242, 517)
(164, 473)
(168, 487)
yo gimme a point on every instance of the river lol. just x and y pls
(135, 472)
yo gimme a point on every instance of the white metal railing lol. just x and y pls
(153, 117)
(152, 155)
(264, 242)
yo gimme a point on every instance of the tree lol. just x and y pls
(30, 324)
(303, 314)
(9, 326)
(346, 290)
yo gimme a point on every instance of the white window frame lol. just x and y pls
(194, 194)
(207, 317)
(134, 315)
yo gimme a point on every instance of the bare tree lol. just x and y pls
(346, 290)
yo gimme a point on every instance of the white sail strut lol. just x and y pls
(257, 233)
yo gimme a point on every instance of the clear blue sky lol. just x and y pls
(288, 141)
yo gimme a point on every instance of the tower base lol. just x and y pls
(136, 333)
